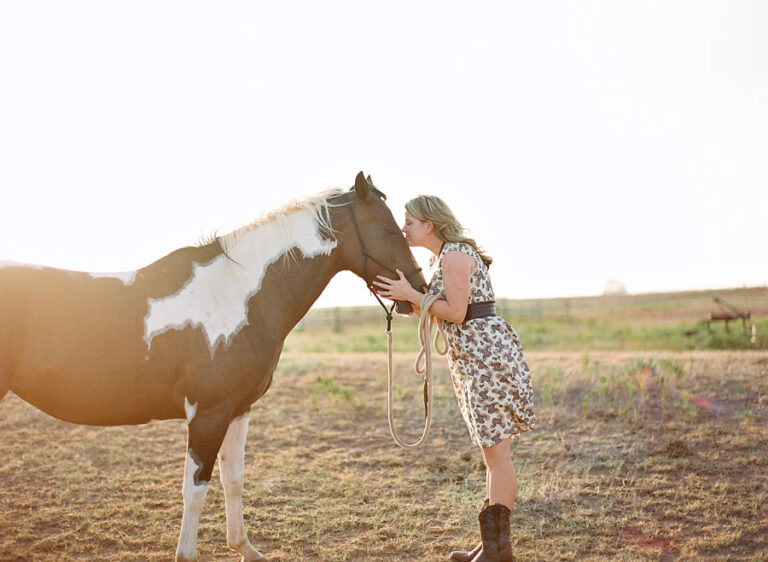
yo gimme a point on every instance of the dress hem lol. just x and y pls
(515, 434)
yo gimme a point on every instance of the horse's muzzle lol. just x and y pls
(403, 307)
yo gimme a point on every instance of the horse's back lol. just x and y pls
(73, 344)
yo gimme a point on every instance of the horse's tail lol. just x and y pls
(12, 301)
(5, 320)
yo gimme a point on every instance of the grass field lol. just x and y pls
(638, 456)
(658, 321)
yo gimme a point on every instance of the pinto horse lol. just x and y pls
(195, 335)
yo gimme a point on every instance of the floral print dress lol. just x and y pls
(490, 376)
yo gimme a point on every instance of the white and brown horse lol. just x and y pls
(195, 335)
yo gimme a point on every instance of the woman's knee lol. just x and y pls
(498, 455)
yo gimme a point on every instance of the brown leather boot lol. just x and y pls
(467, 556)
(494, 530)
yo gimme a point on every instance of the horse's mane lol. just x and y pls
(318, 205)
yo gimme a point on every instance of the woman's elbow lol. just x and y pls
(458, 317)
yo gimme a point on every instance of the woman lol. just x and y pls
(490, 375)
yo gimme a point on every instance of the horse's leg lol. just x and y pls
(231, 469)
(205, 436)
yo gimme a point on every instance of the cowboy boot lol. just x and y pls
(494, 531)
(463, 555)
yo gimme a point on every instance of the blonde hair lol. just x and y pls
(447, 227)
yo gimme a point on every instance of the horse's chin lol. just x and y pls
(403, 307)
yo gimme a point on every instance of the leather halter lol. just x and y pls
(367, 255)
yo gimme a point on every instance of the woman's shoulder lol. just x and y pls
(462, 247)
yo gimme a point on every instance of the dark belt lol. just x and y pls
(480, 310)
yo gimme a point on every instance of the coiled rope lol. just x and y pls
(425, 332)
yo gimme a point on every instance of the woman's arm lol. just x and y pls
(457, 271)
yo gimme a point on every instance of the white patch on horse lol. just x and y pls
(127, 277)
(190, 410)
(215, 298)
(194, 499)
(19, 264)
(231, 469)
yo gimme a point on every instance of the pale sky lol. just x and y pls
(580, 142)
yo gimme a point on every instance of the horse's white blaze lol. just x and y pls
(127, 277)
(216, 296)
(190, 410)
(194, 499)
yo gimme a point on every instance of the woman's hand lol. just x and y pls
(398, 289)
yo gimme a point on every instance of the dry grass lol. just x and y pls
(654, 456)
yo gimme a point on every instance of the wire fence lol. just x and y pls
(679, 305)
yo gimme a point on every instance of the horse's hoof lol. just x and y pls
(248, 553)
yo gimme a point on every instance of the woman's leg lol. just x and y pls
(501, 480)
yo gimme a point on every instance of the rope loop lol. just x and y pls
(425, 353)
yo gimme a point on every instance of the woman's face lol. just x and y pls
(415, 231)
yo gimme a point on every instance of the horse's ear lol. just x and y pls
(361, 187)
(370, 181)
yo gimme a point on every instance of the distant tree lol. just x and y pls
(614, 288)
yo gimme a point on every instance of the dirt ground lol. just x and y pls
(637, 456)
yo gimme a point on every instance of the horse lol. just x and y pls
(196, 335)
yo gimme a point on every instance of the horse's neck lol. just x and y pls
(289, 263)
(290, 290)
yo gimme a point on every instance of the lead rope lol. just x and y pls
(425, 332)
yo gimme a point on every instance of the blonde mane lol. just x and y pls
(318, 205)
